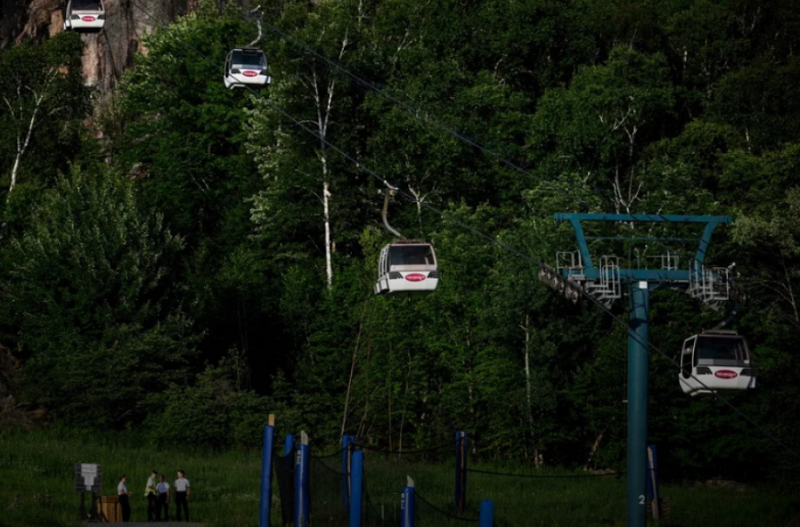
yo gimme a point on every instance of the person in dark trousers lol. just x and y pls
(181, 495)
(124, 496)
(163, 499)
(151, 495)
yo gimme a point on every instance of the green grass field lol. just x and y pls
(36, 488)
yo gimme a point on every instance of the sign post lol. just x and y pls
(88, 478)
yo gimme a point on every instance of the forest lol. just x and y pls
(184, 259)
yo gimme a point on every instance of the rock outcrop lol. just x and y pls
(109, 53)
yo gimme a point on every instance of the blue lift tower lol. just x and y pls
(603, 278)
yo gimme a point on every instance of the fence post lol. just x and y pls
(487, 514)
(356, 474)
(652, 480)
(301, 504)
(347, 452)
(461, 472)
(407, 506)
(266, 473)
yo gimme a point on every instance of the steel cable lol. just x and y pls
(543, 476)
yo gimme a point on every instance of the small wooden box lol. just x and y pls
(663, 509)
(109, 509)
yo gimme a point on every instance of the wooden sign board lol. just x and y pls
(88, 477)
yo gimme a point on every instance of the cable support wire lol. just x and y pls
(318, 463)
(544, 476)
(496, 242)
(425, 116)
(326, 456)
(418, 496)
(771, 306)
(417, 112)
(405, 452)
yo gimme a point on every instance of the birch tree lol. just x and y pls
(600, 125)
(310, 91)
(43, 100)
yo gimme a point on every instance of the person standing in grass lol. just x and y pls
(163, 499)
(181, 495)
(151, 495)
(124, 495)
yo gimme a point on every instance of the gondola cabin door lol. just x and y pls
(715, 361)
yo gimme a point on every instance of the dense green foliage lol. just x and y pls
(216, 309)
(87, 293)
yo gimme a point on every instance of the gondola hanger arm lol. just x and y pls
(384, 214)
(258, 24)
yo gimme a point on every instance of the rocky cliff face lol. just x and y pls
(108, 53)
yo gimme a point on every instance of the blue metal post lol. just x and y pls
(301, 503)
(266, 474)
(356, 474)
(407, 505)
(288, 444)
(487, 514)
(637, 402)
(652, 480)
(461, 471)
(652, 473)
(347, 452)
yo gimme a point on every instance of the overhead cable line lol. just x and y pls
(443, 512)
(405, 452)
(494, 241)
(421, 114)
(544, 476)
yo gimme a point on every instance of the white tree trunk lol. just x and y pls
(328, 267)
(528, 388)
(324, 107)
(17, 114)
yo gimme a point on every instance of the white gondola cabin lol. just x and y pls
(85, 16)
(246, 67)
(720, 360)
(407, 266)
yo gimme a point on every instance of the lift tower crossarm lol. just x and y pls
(592, 273)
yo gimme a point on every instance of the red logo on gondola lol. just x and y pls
(726, 374)
(88, 18)
(249, 73)
(415, 277)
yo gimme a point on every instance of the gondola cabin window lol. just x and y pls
(715, 350)
(241, 59)
(411, 255)
(86, 5)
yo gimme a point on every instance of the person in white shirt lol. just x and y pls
(163, 499)
(124, 495)
(181, 495)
